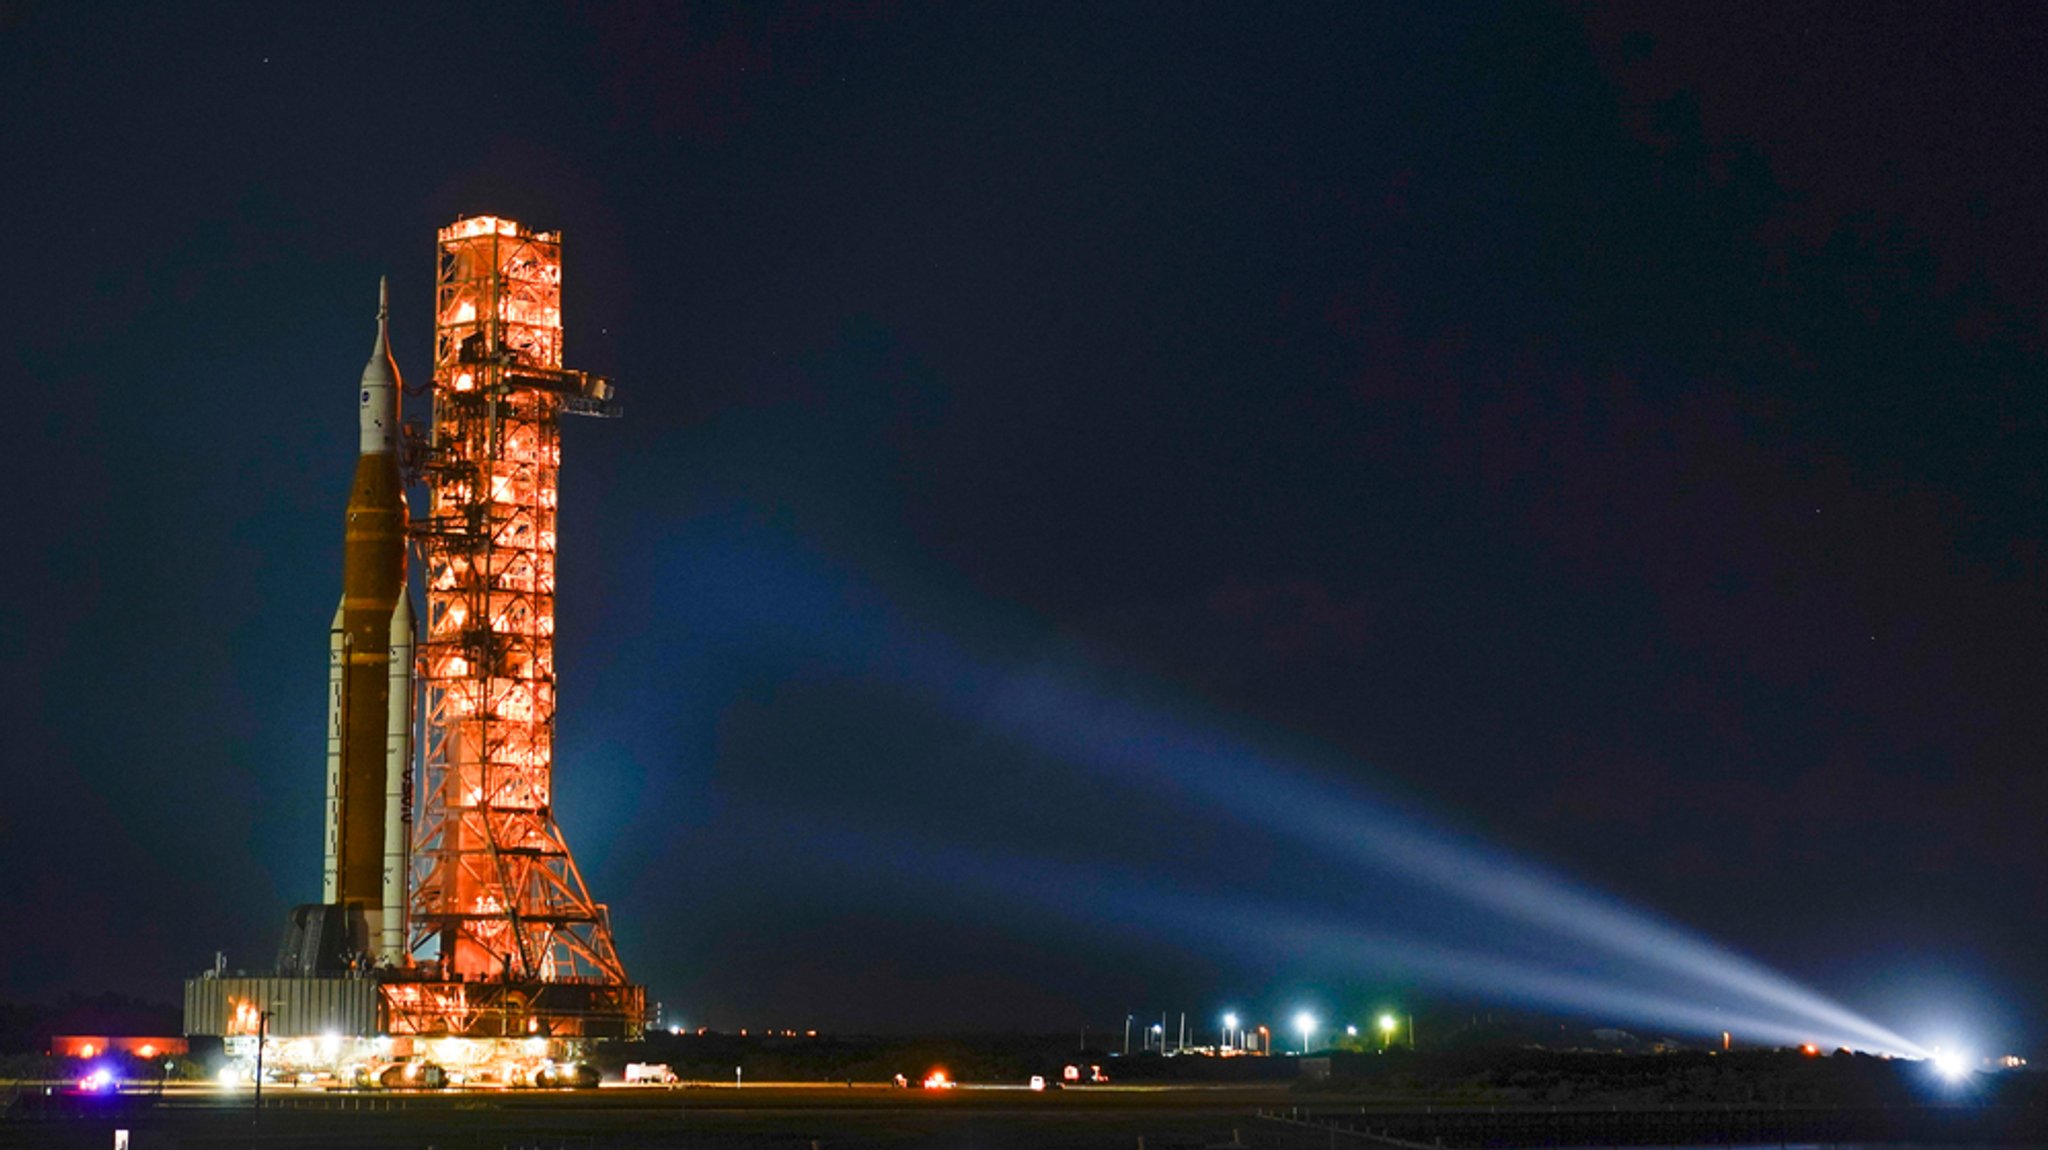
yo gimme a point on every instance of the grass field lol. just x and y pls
(758, 1116)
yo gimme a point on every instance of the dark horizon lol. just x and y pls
(1614, 438)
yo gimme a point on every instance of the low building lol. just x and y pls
(95, 1045)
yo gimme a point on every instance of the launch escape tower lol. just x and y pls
(504, 937)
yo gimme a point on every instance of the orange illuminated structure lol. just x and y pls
(503, 936)
(95, 1045)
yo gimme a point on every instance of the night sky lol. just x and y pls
(1614, 436)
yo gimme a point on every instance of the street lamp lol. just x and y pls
(262, 1029)
(1387, 1026)
(1306, 1023)
(1229, 1028)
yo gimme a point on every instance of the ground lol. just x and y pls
(763, 1116)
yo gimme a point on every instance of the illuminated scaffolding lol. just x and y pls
(496, 901)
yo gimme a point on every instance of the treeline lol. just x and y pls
(1502, 1076)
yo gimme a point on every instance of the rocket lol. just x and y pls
(370, 681)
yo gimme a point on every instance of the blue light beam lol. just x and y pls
(1255, 930)
(842, 622)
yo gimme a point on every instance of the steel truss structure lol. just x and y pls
(495, 894)
(509, 1009)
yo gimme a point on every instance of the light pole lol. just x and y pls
(1127, 1036)
(1229, 1026)
(1388, 1024)
(262, 1028)
(1306, 1023)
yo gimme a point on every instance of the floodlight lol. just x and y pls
(1306, 1023)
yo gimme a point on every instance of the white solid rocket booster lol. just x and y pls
(397, 762)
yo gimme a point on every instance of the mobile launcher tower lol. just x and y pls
(455, 937)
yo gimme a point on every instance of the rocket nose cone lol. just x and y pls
(401, 621)
(377, 394)
(382, 368)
